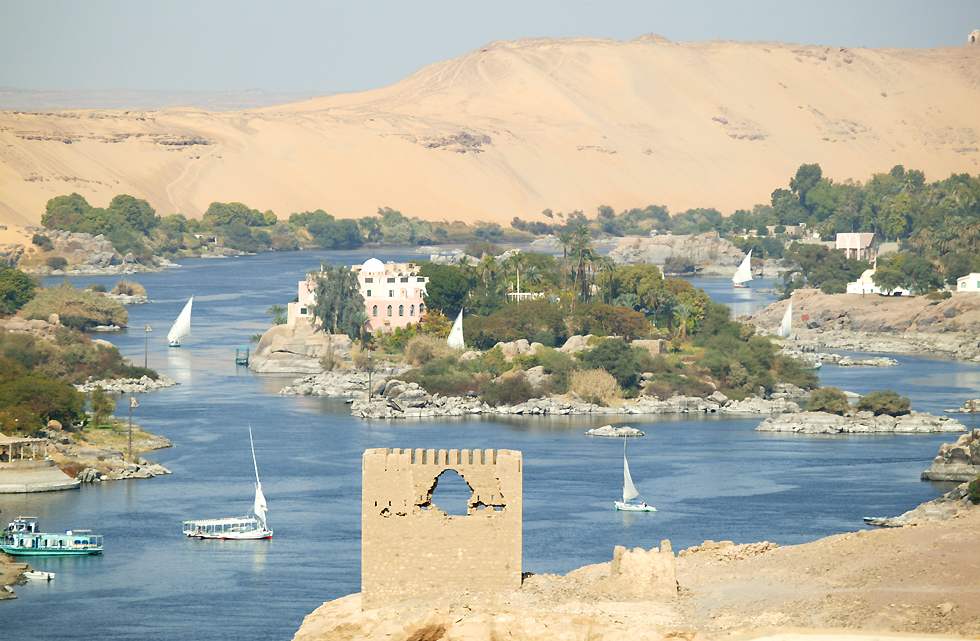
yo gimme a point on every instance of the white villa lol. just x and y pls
(394, 295)
(969, 283)
(866, 285)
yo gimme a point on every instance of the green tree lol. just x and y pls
(885, 402)
(16, 289)
(339, 306)
(807, 177)
(828, 399)
(278, 314)
(102, 406)
(447, 288)
(135, 212)
(619, 359)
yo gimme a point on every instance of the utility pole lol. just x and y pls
(133, 404)
(146, 344)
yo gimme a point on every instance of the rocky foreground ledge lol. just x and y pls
(859, 423)
(959, 461)
(401, 400)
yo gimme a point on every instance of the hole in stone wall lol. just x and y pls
(451, 493)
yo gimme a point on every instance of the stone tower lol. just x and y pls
(974, 37)
(411, 549)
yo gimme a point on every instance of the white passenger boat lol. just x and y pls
(238, 528)
(39, 575)
(630, 492)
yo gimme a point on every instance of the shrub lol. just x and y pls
(361, 357)
(509, 389)
(76, 308)
(16, 289)
(97, 287)
(56, 262)
(828, 399)
(594, 386)
(421, 349)
(42, 241)
(619, 359)
(885, 402)
(973, 490)
(939, 294)
(129, 288)
(445, 376)
(329, 361)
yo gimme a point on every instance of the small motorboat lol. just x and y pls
(39, 575)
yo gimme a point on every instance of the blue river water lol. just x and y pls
(709, 477)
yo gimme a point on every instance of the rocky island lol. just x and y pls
(859, 423)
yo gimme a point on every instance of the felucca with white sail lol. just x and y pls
(455, 339)
(182, 326)
(743, 274)
(239, 528)
(786, 325)
(630, 492)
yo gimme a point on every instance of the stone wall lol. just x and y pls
(411, 549)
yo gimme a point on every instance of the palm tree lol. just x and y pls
(683, 315)
(584, 257)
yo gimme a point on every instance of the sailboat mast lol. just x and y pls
(254, 463)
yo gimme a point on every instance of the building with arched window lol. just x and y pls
(384, 286)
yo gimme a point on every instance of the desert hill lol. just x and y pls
(515, 127)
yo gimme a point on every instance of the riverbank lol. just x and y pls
(859, 423)
(885, 324)
(100, 454)
(11, 572)
(911, 580)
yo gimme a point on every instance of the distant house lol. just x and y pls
(857, 245)
(866, 285)
(393, 294)
(969, 283)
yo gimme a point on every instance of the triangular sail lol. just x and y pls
(629, 490)
(181, 326)
(456, 335)
(786, 326)
(260, 507)
(744, 272)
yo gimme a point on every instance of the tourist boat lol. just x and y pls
(744, 272)
(786, 325)
(22, 538)
(182, 326)
(238, 528)
(455, 339)
(630, 492)
(39, 575)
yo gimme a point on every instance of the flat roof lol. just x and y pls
(225, 521)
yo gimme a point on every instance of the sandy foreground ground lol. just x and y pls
(910, 583)
(515, 127)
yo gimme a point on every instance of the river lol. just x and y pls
(709, 477)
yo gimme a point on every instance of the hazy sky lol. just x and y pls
(325, 47)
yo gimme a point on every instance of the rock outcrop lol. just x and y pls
(408, 400)
(959, 461)
(297, 349)
(947, 506)
(708, 251)
(858, 423)
(128, 385)
(622, 431)
(812, 358)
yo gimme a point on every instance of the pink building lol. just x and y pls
(393, 295)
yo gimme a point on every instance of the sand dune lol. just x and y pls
(515, 127)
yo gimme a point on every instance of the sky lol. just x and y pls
(328, 46)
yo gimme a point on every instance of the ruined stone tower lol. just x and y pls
(974, 37)
(411, 549)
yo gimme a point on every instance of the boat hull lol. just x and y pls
(233, 536)
(17, 551)
(633, 507)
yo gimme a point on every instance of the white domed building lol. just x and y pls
(394, 295)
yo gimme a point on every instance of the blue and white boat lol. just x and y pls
(23, 538)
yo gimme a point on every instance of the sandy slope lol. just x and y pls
(861, 585)
(548, 123)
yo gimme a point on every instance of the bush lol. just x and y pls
(56, 262)
(885, 402)
(509, 389)
(76, 308)
(939, 295)
(42, 241)
(828, 399)
(421, 349)
(129, 288)
(594, 386)
(619, 359)
(445, 376)
(361, 357)
(973, 490)
(97, 287)
(16, 289)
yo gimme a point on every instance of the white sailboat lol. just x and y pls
(455, 339)
(630, 492)
(240, 528)
(786, 325)
(182, 326)
(744, 272)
